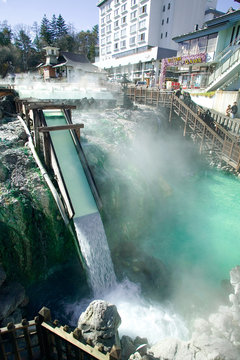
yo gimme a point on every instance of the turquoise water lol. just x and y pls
(162, 202)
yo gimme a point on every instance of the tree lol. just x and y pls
(5, 34)
(61, 27)
(53, 28)
(45, 31)
(24, 44)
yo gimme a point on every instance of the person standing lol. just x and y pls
(234, 110)
(228, 110)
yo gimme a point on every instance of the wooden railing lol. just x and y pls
(212, 135)
(43, 339)
(149, 96)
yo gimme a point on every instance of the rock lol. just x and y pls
(2, 276)
(11, 296)
(127, 347)
(15, 318)
(99, 323)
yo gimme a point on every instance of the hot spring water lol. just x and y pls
(160, 198)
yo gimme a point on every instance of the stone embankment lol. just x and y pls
(33, 237)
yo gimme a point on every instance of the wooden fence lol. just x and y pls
(210, 133)
(42, 339)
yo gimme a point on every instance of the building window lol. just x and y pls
(133, 28)
(108, 49)
(166, 34)
(103, 51)
(124, 7)
(116, 2)
(143, 9)
(103, 41)
(163, 8)
(116, 46)
(133, 2)
(123, 32)
(116, 24)
(167, 20)
(132, 40)
(103, 20)
(116, 35)
(108, 29)
(108, 18)
(124, 20)
(161, 35)
(133, 14)
(116, 12)
(103, 31)
(123, 43)
(142, 24)
(169, 6)
(141, 37)
(162, 21)
(108, 39)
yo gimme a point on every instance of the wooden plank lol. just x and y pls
(60, 127)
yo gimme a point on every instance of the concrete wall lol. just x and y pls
(219, 101)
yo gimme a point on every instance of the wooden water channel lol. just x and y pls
(42, 339)
(211, 137)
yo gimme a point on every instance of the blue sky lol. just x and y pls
(82, 14)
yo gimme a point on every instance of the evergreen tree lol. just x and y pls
(36, 41)
(5, 34)
(45, 31)
(53, 28)
(24, 44)
(61, 27)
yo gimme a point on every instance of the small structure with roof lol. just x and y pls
(67, 66)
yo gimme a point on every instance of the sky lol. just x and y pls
(82, 14)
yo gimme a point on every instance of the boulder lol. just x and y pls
(2, 275)
(99, 324)
(11, 297)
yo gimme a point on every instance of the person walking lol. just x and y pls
(234, 110)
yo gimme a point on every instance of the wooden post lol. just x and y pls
(36, 124)
(12, 337)
(146, 93)
(135, 89)
(2, 351)
(45, 315)
(204, 129)
(185, 126)
(47, 151)
(115, 353)
(170, 112)
(27, 338)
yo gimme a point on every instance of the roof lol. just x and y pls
(78, 61)
(212, 26)
(101, 2)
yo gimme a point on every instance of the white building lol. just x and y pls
(128, 28)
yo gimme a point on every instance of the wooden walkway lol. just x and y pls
(211, 136)
(42, 339)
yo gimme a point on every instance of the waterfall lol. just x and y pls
(94, 247)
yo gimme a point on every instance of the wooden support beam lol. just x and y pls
(60, 127)
(50, 106)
